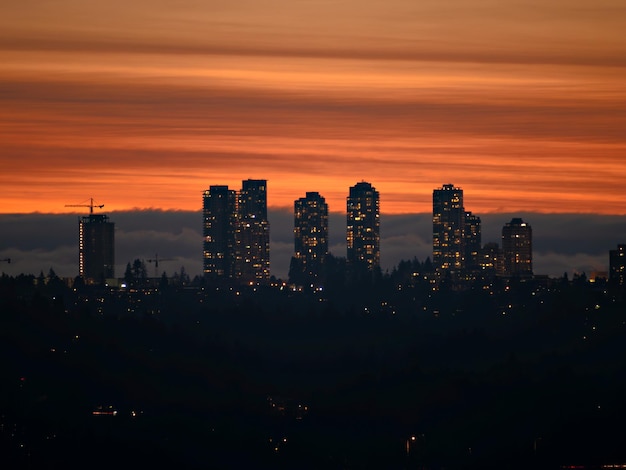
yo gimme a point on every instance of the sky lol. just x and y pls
(145, 104)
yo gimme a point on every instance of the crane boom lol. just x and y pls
(156, 263)
(91, 205)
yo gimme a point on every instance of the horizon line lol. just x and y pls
(289, 209)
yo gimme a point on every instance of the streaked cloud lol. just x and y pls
(146, 105)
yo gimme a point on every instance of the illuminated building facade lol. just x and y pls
(96, 256)
(363, 227)
(253, 233)
(310, 237)
(220, 219)
(617, 266)
(517, 248)
(236, 233)
(448, 228)
(473, 241)
(491, 259)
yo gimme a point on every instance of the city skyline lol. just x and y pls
(340, 234)
(229, 246)
(562, 243)
(522, 105)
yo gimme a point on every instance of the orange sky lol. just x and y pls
(145, 104)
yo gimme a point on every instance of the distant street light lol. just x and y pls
(408, 444)
(536, 444)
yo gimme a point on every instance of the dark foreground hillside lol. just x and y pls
(190, 379)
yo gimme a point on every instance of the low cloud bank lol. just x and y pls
(572, 243)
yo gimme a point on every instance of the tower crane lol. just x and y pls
(156, 263)
(8, 260)
(91, 205)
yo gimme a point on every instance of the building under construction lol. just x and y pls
(96, 242)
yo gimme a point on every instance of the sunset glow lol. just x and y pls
(146, 105)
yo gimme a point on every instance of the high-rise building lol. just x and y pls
(517, 248)
(491, 261)
(310, 238)
(253, 233)
(448, 228)
(236, 233)
(253, 199)
(363, 228)
(617, 266)
(220, 220)
(96, 255)
(473, 242)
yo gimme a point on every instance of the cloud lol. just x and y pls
(473, 31)
(555, 264)
(37, 242)
(524, 104)
(151, 142)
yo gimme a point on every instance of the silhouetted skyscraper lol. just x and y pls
(220, 221)
(473, 241)
(517, 248)
(253, 199)
(96, 255)
(253, 233)
(236, 233)
(448, 228)
(363, 227)
(310, 238)
(617, 267)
